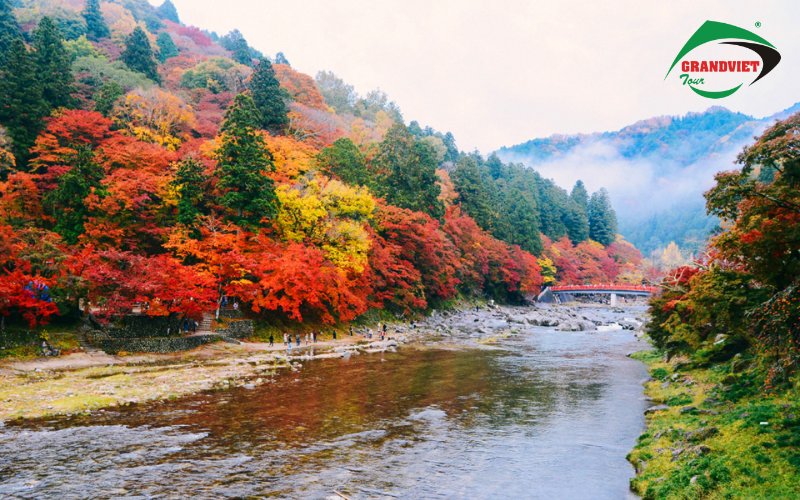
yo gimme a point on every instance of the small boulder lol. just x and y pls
(656, 408)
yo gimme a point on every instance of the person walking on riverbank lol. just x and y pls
(314, 335)
(351, 330)
(334, 335)
(307, 337)
(297, 339)
(271, 340)
(286, 339)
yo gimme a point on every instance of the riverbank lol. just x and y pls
(85, 382)
(715, 433)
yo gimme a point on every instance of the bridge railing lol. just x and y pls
(605, 288)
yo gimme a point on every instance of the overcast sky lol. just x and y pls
(500, 72)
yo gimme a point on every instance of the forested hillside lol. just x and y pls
(149, 165)
(655, 169)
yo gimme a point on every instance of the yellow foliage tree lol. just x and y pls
(671, 257)
(548, 271)
(291, 157)
(301, 214)
(329, 214)
(155, 116)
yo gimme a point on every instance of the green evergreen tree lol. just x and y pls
(495, 166)
(473, 192)
(552, 201)
(576, 214)
(452, 150)
(242, 163)
(410, 172)
(22, 107)
(53, 66)
(190, 182)
(138, 54)
(96, 27)
(281, 59)
(9, 30)
(66, 204)
(237, 45)
(580, 196)
(577, 222)
(521, 215)
(166, 47)
(168, 11)
(344, 160)
(602, 218)
(269, 98)
(107, 96)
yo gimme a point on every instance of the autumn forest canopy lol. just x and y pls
(149, 165)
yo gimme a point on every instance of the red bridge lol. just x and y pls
(564, 293)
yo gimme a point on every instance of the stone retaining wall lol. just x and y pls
(136, 327)
(238, 329)
(156, 344)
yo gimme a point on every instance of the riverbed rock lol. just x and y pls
(656, 408)
(701, 434)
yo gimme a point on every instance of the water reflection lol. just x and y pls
(550, 414)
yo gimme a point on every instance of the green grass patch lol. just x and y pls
(723, 436)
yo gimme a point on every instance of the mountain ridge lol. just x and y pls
(656, 169)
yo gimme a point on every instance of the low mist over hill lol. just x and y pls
(656, 170)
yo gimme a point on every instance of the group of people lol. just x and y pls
(381, 329)
(190, 325)
(288, 341)
(48, 350)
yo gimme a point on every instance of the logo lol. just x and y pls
(720, 58)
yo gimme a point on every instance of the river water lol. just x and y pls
(541, 414)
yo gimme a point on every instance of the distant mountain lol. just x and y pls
(655, 169)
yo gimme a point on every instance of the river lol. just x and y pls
(539, 414)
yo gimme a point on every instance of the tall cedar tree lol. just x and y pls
(602, 218)
(9, 30)
(269, 98)
(107, 96)
(344, 160)
(577, 222)
(243, 162)
(235, 42)
(520, 216)
(66, 204)
(96, 27)
(138, 54)
(168, 11)
(580, 196)
(473, 195)
(52, 64)
(577, 216)
(410, 169)
(166, 47)
(190, 183)
(452, 150)
(280, 58)
(22, 107)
